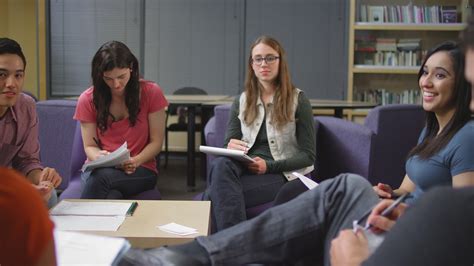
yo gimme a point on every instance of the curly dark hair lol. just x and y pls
(114, 54)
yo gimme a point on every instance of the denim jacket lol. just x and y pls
(283, 143)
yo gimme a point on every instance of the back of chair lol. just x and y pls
(78, 157)
(56, 128)
(341, 147)
(396, 130)
(185, 91)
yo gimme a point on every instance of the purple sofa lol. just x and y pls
(56, 131)
(376, 150)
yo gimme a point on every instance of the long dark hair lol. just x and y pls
(433, 143)
(110, 55)
(283, 100)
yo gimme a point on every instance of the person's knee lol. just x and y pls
(354, 181)
(221, 163)
(222, 170)
(99, 177)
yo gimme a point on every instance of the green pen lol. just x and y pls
(132, 208)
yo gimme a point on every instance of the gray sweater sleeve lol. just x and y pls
(233, 126)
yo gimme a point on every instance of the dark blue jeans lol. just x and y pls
(232, 189)
(112, 183)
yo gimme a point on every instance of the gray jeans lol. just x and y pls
(299, 231)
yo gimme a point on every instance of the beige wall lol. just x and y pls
(19, 21)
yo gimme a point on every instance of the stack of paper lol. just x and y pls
(84, 249)
(177, 229)
(114, 158)
(89, 215)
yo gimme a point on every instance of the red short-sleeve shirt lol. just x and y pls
(137, 137)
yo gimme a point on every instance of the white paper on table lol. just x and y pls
(177, 229)
(91, 208)
(81, 249)
(310, 184)
(87, 223)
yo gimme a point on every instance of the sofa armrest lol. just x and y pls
(342, 147)
(56, 131)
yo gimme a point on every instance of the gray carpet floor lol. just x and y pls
(172, 179)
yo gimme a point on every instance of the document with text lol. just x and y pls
(114, 158)
(89, 215)
(84, 249)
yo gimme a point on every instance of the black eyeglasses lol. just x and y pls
(269, 59)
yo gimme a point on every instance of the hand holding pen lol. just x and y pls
(101, 151)
(385, 214)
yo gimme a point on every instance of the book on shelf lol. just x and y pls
(384, 96)
(388, 51)
(408, 14)
(449, 14)
(376, 14)
(386, 44)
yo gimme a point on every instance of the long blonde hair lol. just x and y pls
(283, 100)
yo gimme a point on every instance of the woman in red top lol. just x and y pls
(118, 108)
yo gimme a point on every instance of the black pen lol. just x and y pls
(97, 141)
(385, 212)
(132, 208)
(390, 208)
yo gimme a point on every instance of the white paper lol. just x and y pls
(91, 208)
(310, 184)
(177, 229)
(373, 240)
(114, 158)
(238, 155)
(87, 223)
(84, 249)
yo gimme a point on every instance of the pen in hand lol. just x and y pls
(390, 208)
(385, 212)
(97, 141)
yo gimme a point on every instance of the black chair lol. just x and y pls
(176, 109)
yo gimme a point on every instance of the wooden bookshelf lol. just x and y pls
(395, 77)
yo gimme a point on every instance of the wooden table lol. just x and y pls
(338, 105)
(141, 228)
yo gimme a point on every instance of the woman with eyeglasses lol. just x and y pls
(272, 122)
